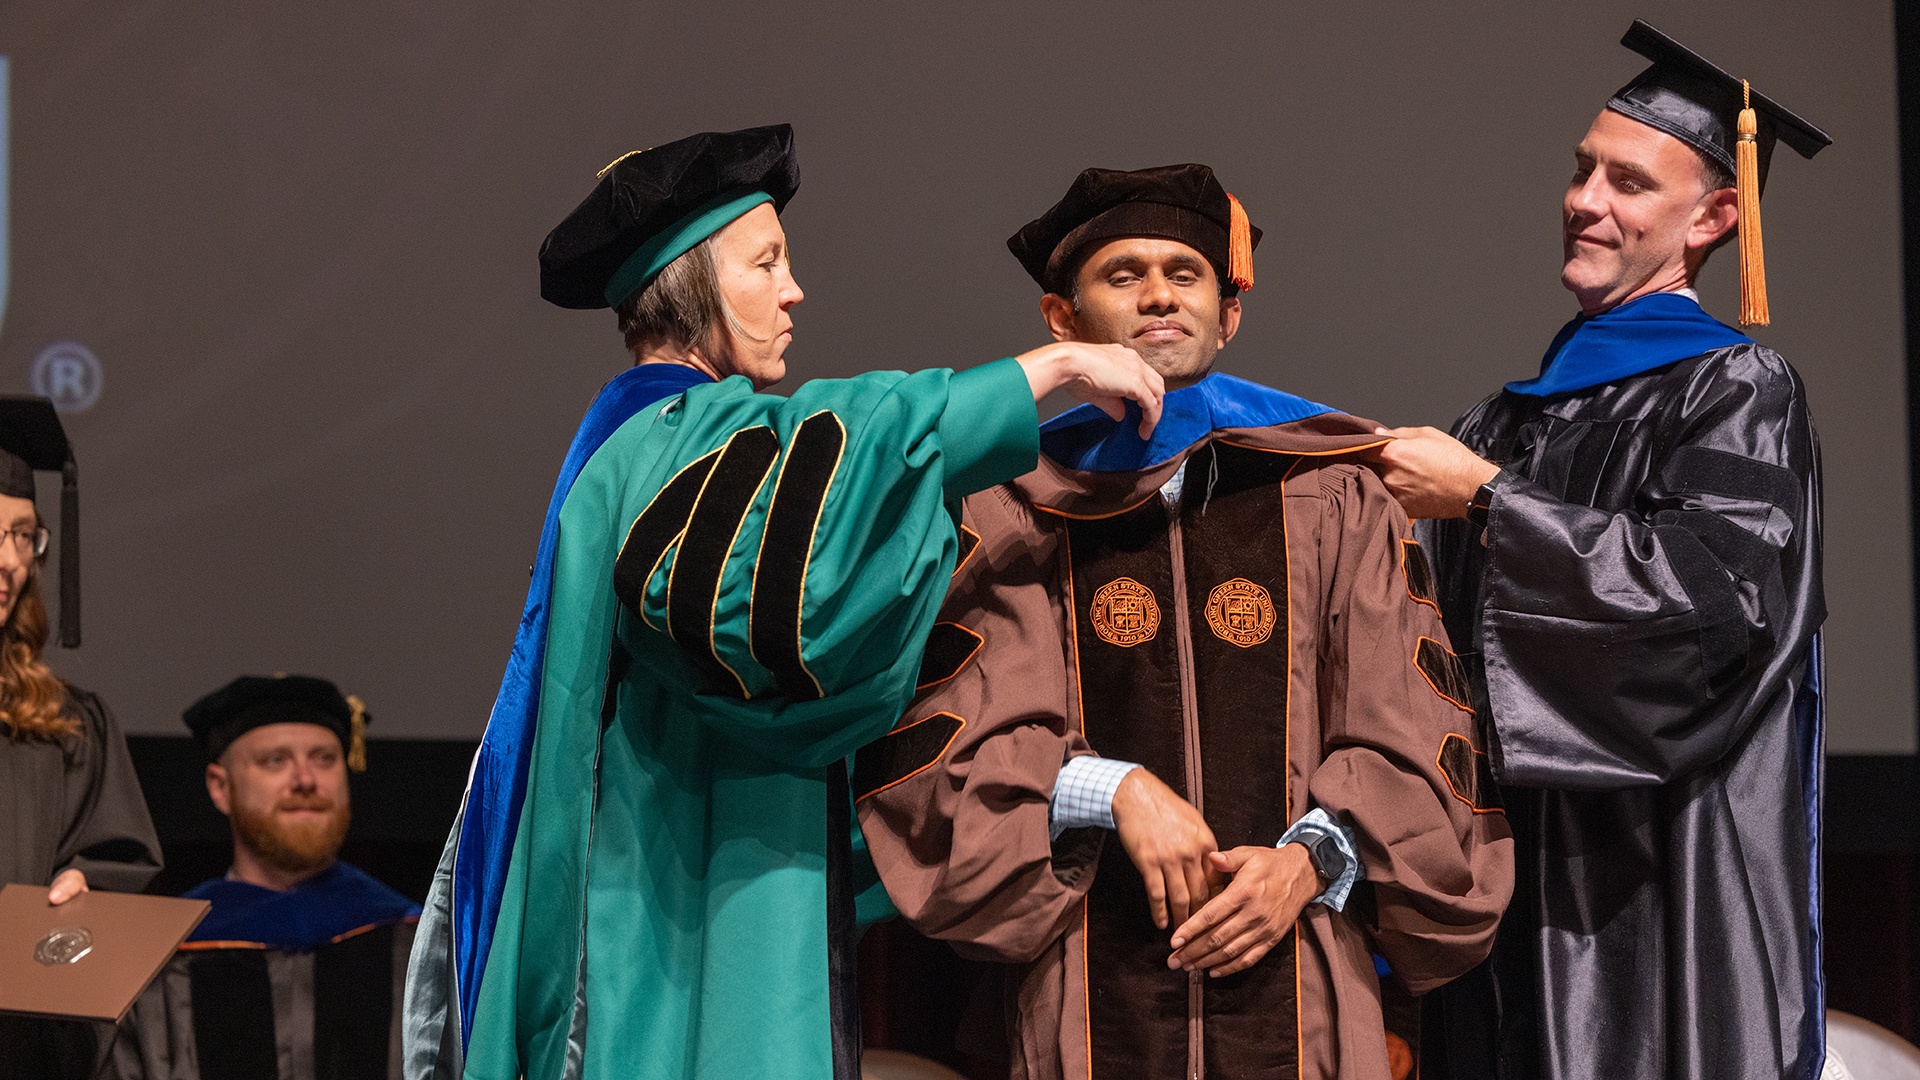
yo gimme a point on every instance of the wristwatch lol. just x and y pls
(1324, 852)
(1481, 504)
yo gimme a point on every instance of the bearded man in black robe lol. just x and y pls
(1629, 562)
(297, 970)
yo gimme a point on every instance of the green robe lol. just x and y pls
(664, 911)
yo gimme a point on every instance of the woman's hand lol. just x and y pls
(1108, 376)
(67, 884)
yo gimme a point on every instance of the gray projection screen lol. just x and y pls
(299, 240)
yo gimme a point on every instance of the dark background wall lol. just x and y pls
(300, 241)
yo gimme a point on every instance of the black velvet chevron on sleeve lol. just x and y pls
(1706, 471)
(233, 1024)
(779, 576)
(949, 647)
(1419, 574)
(1469, 773)
(1444, 672)
(969, 543)
(903, 752)
(353, 1006)
(655, 530)
(712, 527)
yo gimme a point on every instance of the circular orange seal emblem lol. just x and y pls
(1240, 612)
(1124, 613)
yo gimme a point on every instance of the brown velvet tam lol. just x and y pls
(1174, 202)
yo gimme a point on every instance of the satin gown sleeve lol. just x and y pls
(1624, 649)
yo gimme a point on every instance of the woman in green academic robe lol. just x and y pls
(653, 873)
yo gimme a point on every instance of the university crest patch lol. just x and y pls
(1240, 612)
(1124, 613)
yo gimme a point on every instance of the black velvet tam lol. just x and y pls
(31, 439)
(644, 194)
(252, 701)
(1688, 97)
(1174, 202)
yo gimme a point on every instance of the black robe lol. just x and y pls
(75, 802)
(68, 802)
(1639, 624)
(231, 1010)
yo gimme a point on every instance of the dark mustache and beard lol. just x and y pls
(294, 846)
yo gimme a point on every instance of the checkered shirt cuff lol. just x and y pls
(1083, 795)
(1315, 822)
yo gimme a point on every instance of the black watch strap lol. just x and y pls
(1325, 854)
(1481, 504)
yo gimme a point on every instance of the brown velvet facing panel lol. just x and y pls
(1131, 711)
(1238, 531)
(1232, 528)
(1137, 1009)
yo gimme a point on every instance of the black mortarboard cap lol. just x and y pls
(32, 440)
(1175, 202)
(652, 206)
(1690, 98)
(1724, 120)
(252, 701)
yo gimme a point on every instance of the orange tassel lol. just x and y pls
(1746, 173)
(1239, 245)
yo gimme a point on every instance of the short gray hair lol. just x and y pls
(680, 308)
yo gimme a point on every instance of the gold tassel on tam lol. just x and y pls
(1746, 172)
(357, 735)
(616, 161)
(1239, 245)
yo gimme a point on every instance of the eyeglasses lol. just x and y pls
(25, 540)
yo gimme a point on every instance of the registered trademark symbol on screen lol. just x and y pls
(68, 373)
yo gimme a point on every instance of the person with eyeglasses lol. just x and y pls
(72, 817)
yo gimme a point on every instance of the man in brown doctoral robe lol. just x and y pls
(1221, 643)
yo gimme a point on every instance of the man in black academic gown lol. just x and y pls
(297, 970)
(1630, 565)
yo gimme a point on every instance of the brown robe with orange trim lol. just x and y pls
(1273, 648)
